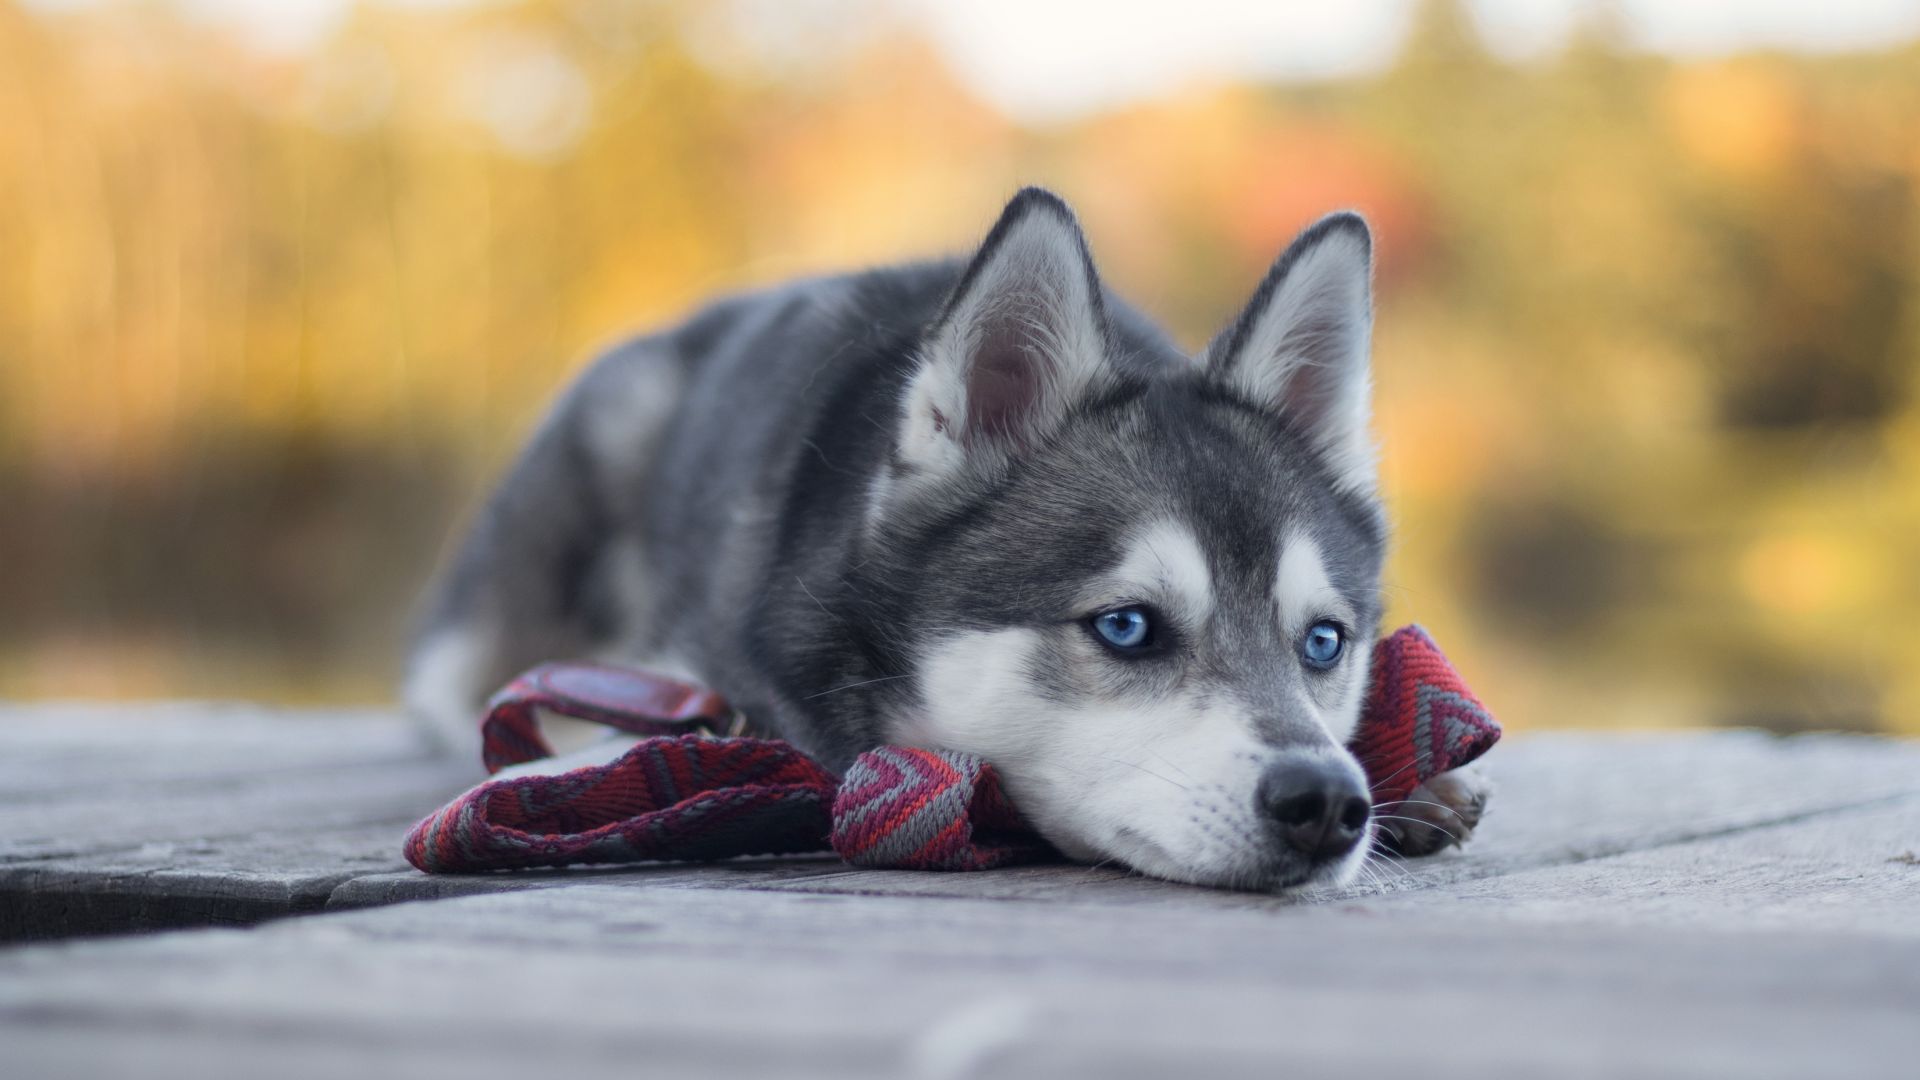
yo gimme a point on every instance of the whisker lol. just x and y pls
(1150, 772)
(1448, 833)
(1424, 802)
(1377, 847)
(854, 685)
(803, 588)
(1173, 766)
(1393, 774)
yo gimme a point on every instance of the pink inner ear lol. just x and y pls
(1003, 383)
(1312, 385)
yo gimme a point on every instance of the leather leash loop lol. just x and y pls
(637, 702)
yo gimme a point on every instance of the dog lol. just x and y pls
(985, 505)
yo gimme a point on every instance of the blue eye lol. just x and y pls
(1322, 645)
(1127, 629)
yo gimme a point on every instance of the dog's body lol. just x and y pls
(938, 504)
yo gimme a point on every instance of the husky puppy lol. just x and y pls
(985, 506)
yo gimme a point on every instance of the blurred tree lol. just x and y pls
(1646, 350)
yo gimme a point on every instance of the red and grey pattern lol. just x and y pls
(695, 797)
(900, 806)
(685, 798)
(1420, 720)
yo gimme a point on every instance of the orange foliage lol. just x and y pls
(1646, 358)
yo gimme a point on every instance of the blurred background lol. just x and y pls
(283, 284)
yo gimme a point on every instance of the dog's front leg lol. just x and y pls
(1440, 813)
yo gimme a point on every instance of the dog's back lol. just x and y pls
(637, 522)
(685, 482)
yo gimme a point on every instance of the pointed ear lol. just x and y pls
(1302, 345)
(1021, 342)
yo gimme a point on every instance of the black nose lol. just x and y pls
(1320, 808)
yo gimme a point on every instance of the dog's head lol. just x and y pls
(1146, 587)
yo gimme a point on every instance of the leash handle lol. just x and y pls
(637, 702)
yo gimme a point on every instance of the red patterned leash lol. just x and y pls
(684, 793)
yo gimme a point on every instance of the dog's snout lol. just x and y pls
(1319, 808)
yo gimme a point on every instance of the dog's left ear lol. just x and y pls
(1301, 346)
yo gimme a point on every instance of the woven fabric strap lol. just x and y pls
(683, 793)
(1419, 720)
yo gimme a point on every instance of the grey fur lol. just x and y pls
(703, 498)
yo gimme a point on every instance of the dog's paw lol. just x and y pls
(1438, 814)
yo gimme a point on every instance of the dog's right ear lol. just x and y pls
(1020, 343)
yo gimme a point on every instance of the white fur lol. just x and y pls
(446, 686)
(1308, 349)
(1163, 564)
(1303, 594)
(1164, 785)
(1301, 588)
(936, 400)
(442, 686)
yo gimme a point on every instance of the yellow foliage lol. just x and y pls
(1739, 117)
(1646, 359)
